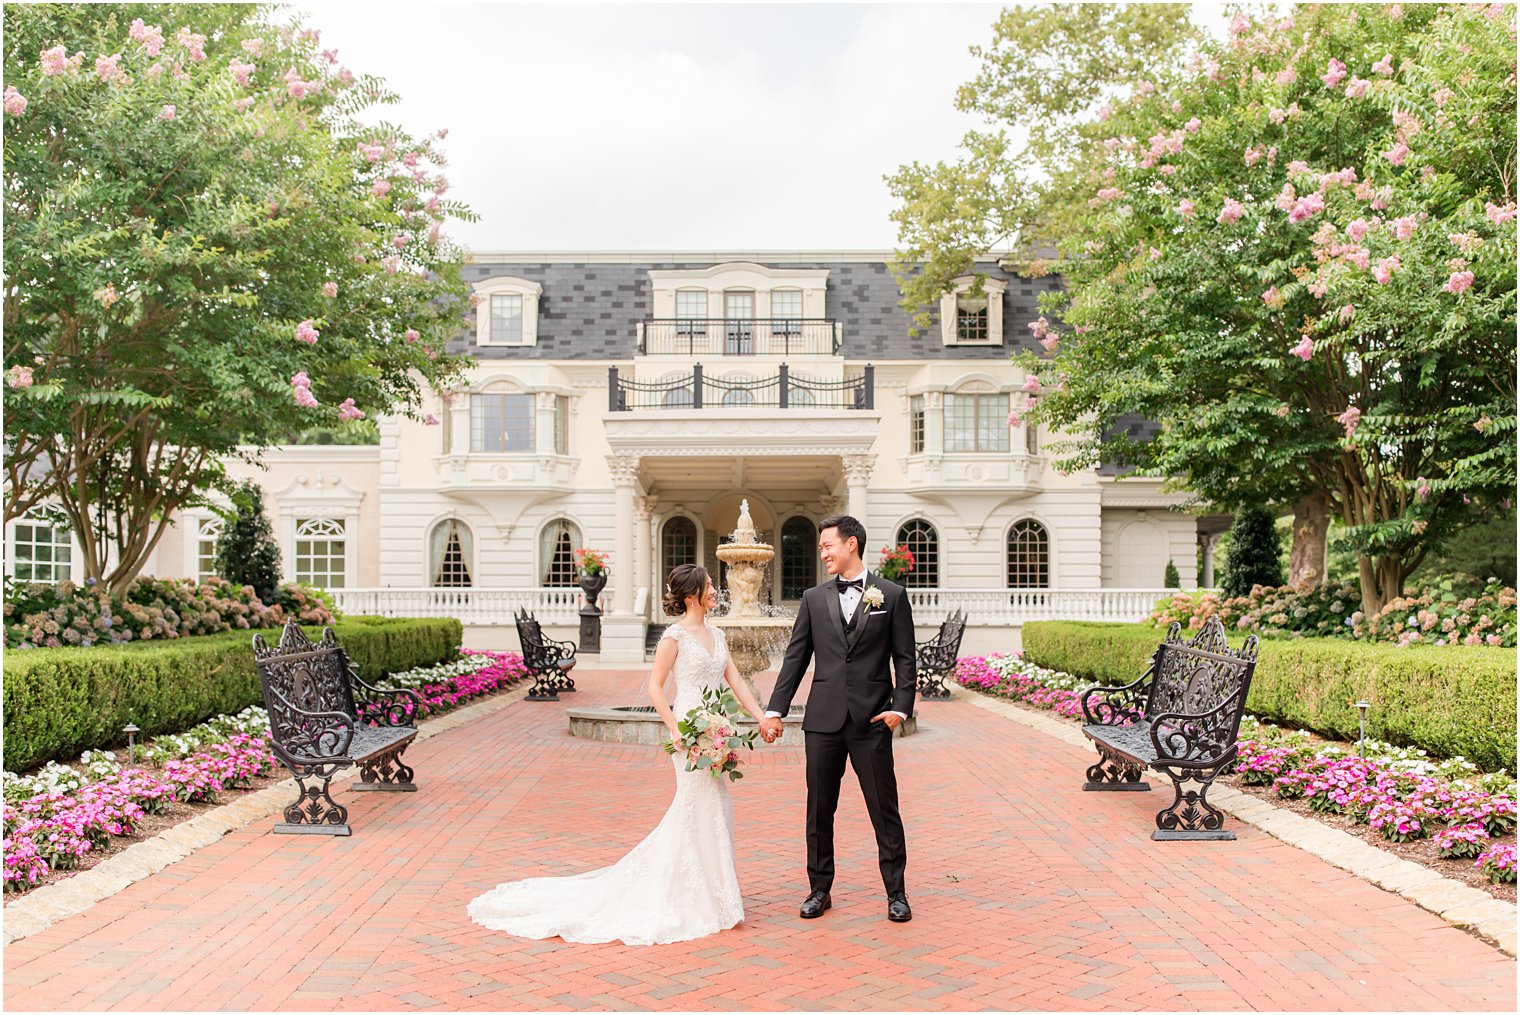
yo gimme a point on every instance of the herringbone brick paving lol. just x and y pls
(1027, 894)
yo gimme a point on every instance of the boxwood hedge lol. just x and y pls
(1448, 700)
(61, 701)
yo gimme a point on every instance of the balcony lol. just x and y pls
(788, 336)
(780, 391)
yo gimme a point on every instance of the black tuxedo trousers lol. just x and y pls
(860, 670)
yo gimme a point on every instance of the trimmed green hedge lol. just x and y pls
(62, 701)
(1450, 701)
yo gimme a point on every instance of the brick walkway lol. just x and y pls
(1027, 893)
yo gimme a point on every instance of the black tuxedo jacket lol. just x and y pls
(851, 678)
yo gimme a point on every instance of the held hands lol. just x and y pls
(892, 719)
(770, 729)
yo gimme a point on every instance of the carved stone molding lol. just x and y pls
(624, 469)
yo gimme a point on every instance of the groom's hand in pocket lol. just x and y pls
(892, 719)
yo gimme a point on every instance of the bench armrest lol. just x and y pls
(1116, 706)
(308, 738)
(395, 706)
(1199, 740)
(559, 649)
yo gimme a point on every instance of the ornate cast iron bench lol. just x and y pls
(937, 656)
(314, 698)
(1182, 719)
(549, 661)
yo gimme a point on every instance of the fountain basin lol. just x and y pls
(641, 724)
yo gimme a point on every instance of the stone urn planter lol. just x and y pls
(592, 585)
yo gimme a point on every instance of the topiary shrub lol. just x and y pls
(246, 553)
(1255, 554)
(1171, 580)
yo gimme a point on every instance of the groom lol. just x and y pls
(852, 625)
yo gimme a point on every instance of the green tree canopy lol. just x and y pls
(207, 247)
(1295, 250)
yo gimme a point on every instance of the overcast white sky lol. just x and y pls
(682, 127)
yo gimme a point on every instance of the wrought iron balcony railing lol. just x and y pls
(779, 391)
(744, 336)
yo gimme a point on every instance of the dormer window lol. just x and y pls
(971, 318)
(508, 311)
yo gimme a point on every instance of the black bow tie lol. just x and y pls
(858, 584)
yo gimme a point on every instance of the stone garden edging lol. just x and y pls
(1460, 905)
(52, 903)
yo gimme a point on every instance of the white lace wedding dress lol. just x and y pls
(678, 884)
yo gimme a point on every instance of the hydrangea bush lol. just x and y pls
(55, 817)
(1436, 616)
(162, 608)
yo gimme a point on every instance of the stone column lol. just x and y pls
(543, 422)
(643, 508)
(624, 471)
(934, 423)
(1206, 581)
(857, 478)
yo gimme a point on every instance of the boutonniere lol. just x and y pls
(873, 597)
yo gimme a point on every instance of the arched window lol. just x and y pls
(678, 545)
(1028, 555)
(799, 557)
(321, 552)
(41, 550)
(923, 542)
(451, 547)
(556, 551)
(207, 532)
(738, 397)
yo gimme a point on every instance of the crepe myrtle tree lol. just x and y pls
(208, 246)
(1296, 252)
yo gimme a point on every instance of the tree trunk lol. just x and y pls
(1382, 581)
(1311, 529)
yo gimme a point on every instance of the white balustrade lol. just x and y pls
(472, 607)
(1006, 607)
(483, 607)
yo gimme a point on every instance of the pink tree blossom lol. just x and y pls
(15, 102)
(1304, 350)
(348, 411)
(1350, 419)
(1460, 282)
(1357, 89)
(150, 37)
(106, 66)
(1346, 313)
(330, 289)
(1050, 342)
(1032, 384)
(1398, 154)
(1334, 73)
(1232, 211)
(1185, 208)
(431, 420)
(254, 47)
(1384, 66)
(412, 335)
(1273, 298)
(1499, 214)
(371, 152)
(240, 71)
(380, 188)
(168, 112)
(306, 332)
(1385, 269)
(1404, 227)
(19, 377)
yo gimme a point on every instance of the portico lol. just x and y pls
(683, 464)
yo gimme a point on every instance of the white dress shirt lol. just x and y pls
(848, 600)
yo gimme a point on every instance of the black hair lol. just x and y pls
(684, 580)
(848, 526)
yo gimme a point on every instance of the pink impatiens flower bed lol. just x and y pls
(59, 829)
(1397, 792)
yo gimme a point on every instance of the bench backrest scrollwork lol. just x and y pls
(312, 678)
(1203, 677)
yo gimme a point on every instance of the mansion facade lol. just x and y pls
(628, 402)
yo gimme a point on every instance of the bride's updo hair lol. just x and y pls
(685, 580)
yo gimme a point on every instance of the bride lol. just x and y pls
(679, 883)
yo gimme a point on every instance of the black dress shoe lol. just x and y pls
(814, 905)
(897, 908)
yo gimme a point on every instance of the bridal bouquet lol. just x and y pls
(710, 736)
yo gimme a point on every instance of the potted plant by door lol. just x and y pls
(593, 577)
(895, 562)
